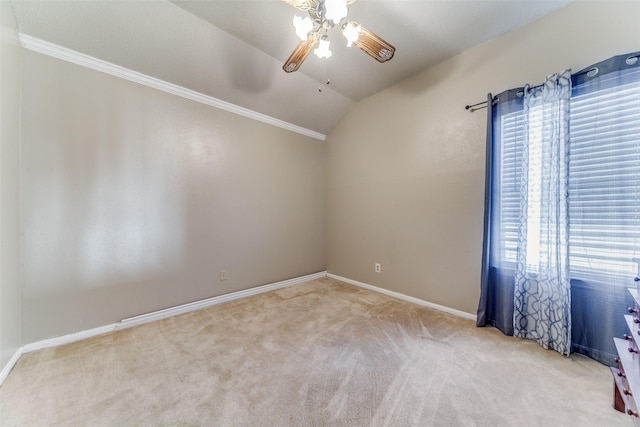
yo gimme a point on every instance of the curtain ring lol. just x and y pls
(632, 60)
(593, 72)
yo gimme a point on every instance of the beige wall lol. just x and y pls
(133, 200)
(10, 293)
(405, 168)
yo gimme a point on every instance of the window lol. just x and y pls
(604, 178)
(511, 133)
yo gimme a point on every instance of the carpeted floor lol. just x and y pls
(317, 354)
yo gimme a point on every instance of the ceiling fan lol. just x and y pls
(323, 16)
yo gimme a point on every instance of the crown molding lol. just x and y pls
(56, 51)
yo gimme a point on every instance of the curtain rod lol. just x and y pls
(473, 108)
(483, 104)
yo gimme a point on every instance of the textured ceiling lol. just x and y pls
(234, 50)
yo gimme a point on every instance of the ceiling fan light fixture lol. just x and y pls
(322, 51)
(302, 26)
(335, 10)
(351, 32)
(323, 16)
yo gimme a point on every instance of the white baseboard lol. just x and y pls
(185, 308)
(9, 366)
(69, 338)
(150, 317)
(407, 298)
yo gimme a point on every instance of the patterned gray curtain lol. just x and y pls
(542, 295)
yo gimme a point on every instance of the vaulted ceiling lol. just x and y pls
(233, 50)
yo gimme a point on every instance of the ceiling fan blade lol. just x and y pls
(373, 45)
(305, 5)
(301, 52)
(301, 4)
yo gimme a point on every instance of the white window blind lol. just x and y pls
(512, 138)
(604, 181)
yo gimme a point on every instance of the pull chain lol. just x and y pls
(320, 84)
(327, 80)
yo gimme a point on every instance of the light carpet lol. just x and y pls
(323, 353)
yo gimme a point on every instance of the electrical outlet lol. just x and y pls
(377, 268)
(223, 275)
